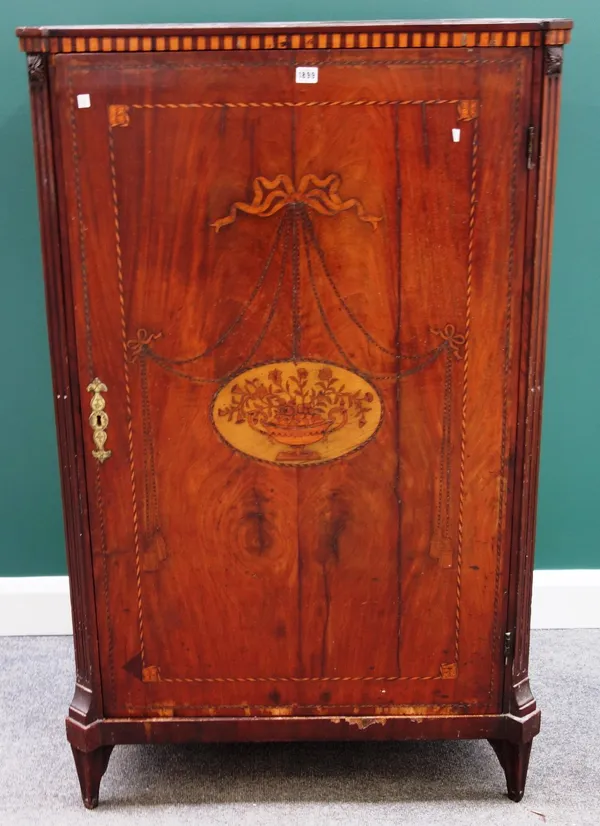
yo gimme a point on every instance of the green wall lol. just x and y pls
(30, 515)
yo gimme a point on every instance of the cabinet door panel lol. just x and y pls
(304, 304)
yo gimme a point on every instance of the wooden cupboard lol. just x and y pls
(297, 280)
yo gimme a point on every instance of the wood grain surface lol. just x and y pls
(378, 578)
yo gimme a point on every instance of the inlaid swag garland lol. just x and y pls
(294, 237)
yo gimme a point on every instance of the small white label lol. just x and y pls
(307, 74)
(83, 102)
(456, 135)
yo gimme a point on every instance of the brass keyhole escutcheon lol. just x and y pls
(99, 419)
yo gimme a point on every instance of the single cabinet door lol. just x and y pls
(298, 314)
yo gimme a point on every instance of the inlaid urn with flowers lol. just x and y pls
(297, 408)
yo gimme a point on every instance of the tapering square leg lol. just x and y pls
(91, 766)
(514, 759)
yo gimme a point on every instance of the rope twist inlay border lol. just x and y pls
(124, 340)
(507, 360)
(89, 351)
(132, 65)
(296, 679)
(465, 393)
(307, 104)
(367, 678)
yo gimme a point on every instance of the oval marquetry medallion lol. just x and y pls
(299, 413)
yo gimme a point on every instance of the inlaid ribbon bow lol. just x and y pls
(453, 339)
(141, 342)
(320, 194)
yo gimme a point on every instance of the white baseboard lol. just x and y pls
(566, 599)
(34, 605)
(40, 606)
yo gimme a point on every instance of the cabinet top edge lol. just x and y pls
(330, 34)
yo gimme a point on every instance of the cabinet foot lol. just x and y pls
(90, 766)
(514, 759)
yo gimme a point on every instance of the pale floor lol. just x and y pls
(424, 784)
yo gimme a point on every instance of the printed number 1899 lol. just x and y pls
(307, 74)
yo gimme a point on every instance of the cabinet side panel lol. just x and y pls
(548, 66)
(65, 387)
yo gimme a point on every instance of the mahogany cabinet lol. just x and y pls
(297, 281)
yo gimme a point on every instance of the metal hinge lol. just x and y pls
(509, 645)
(530, 147)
